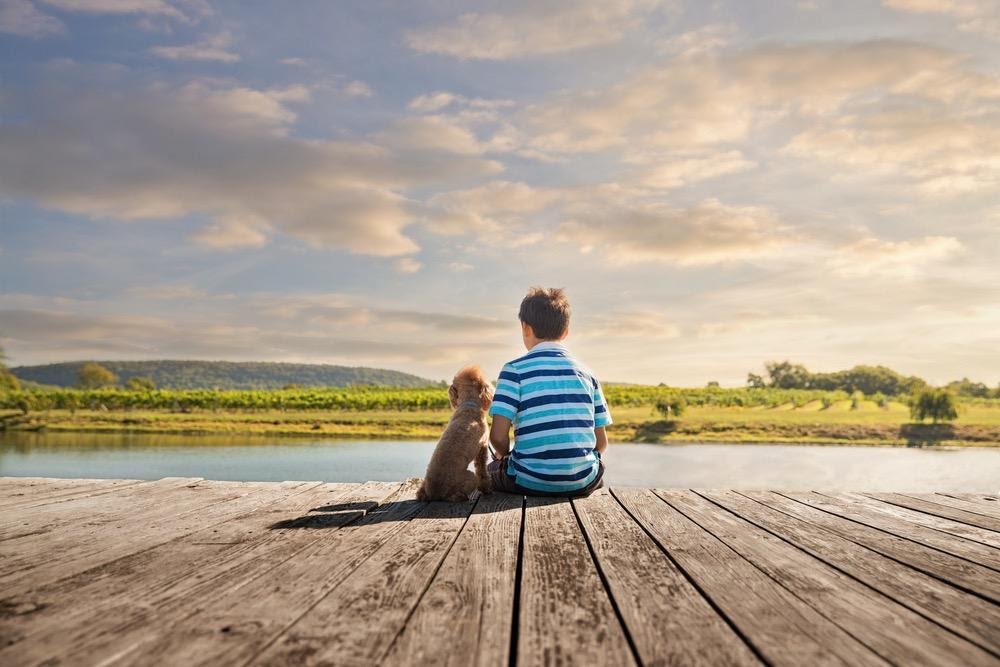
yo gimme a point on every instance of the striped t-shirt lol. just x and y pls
(554, 404)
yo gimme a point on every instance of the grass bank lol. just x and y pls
(863, 423)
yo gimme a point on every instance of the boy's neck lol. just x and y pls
(550, 341)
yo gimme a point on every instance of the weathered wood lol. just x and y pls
(937, 509)
(903, 519)
(780, 626)
(864, 613)
(669, 621)
(472, 595)
(232, 573)
(971, 617)
(855, 509)
(86, 548)
(164, 585)
(232, 624)
(988, 500)
(565, 616)
(38, 494)
(986, 508)
(357, 624)
(97, 506)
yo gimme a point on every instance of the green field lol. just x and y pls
(715, 415)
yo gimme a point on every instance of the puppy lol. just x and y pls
(464, 440)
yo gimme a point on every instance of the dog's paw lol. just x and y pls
(486, 487)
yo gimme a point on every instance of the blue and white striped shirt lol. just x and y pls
(555, 404)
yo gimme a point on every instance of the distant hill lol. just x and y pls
(225, 374)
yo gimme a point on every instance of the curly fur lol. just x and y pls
(464, 440)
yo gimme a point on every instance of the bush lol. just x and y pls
(672, 407)
(938, 404)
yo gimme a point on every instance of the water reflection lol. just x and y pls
(790, 467)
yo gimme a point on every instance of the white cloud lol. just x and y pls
(224, 153)
(214, 47)
(438, 100)
(980, 16)
(904, 259)
(496, 207)
(706, 39)
(358, 89)
(152, 7)
(709, 233)
(22, 17)
(708, 100)
(407, 265)
(533, 29)
(674, 170)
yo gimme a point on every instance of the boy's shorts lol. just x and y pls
(497, 470)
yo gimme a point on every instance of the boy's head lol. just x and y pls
(544, 315)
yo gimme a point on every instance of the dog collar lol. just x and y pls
(470, 404)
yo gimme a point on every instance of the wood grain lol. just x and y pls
(937, 509)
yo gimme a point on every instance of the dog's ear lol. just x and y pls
(453, 396)
(485, 394)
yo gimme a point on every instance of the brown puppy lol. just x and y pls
(448, 476)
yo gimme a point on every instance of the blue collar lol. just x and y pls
(469, 404)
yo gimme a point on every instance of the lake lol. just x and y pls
(757, 466)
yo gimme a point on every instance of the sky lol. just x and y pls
(715, 184)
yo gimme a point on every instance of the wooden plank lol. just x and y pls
(87, 547)
(39, 494)
(780, 626)
(984, 522)
(357, 624)
(123, 602)
(870, 506)
(986, 508)
(926, 529)
(893, 631)
(94, 507)
(966, 615)
(233, 621)
(669, 621)
(565, 615)
(472, 594)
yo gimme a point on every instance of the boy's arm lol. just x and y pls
(500, 436)
(602, 439)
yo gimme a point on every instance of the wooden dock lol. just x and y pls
(186, 571)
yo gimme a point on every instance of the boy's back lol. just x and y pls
(554, 404)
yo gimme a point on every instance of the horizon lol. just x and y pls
(373, 184)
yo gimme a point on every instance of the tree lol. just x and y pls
(8, 381)
(786, 375)
(938, 404)
(93, 376)
(139, 383)
(671, 407)
(712, 383)
(755, 381)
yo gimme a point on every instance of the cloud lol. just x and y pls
(490, 208)
(943, 155)
(358, 89)
(980, 16)
(674, 170)
(22, 17)
(710, 100)
(214, 47)
(709, 233)
(533, 29)
(407, 265)
(904, 259)
(185, 11)
(707, 38)
(438, 100)
(222, 153)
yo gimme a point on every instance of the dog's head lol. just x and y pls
(470, 384)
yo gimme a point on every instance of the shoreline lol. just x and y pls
(429, 427)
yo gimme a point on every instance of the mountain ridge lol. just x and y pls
(193, 374)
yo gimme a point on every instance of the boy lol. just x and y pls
(555, 405)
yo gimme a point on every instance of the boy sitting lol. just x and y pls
(556, 406)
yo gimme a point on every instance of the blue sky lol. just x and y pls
(715, 184)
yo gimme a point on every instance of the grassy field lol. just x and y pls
(868, 423)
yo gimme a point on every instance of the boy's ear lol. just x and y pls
(527, 330)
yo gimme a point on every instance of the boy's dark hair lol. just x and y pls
(546, 311)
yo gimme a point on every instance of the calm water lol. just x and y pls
(791, 467)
